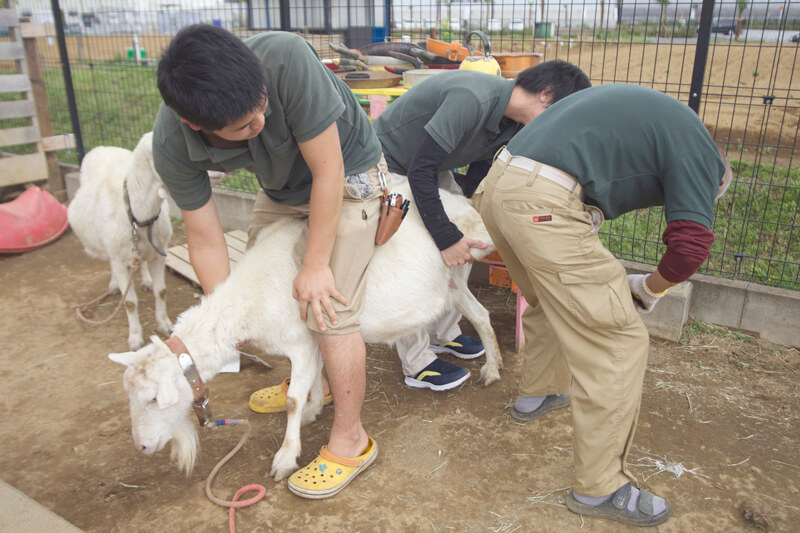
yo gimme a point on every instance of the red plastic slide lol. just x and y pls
(30, 221)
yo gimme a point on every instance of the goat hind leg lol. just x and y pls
(155, 270)
(316, 398)
(121, 274)
(478, 316)
(147, 278)
(113, 286)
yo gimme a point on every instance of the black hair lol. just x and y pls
(560, 77)
(210, 77)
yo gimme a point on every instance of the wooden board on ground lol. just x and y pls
(178, 256)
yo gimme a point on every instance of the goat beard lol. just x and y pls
(185, 445)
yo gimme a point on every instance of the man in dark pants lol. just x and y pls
(597, 154)
(452, 120)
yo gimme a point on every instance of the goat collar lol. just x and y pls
(199, 389)
(135, 224)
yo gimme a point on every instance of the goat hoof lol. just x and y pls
(165, 328)
(135, 342)
(282, 473)
(284, 463)
(489, 376)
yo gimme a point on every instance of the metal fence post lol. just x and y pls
(701, 55)
(73, 107)
(286, 17)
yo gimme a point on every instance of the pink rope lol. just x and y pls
(234, 503)
(80, 308)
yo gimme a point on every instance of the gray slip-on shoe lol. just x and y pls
(616, 508)
(554, 401)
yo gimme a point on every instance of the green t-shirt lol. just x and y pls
(304, 99)
(461, 110)
(630, 147)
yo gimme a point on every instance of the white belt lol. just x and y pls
(568, 181)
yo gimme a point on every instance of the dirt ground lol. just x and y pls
(718, 432)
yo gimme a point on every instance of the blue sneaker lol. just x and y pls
(438, 376)
(462, 347)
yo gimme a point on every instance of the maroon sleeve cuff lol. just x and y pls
(688, 246)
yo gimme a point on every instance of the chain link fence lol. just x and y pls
(747, 95)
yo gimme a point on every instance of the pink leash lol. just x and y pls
(234, 503)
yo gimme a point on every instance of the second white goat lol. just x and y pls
(99, 217)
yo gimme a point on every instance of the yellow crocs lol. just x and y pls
(326, 475)
(273, 399)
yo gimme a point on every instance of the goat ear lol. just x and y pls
(167, 393)
(127, 358)
(159, 343)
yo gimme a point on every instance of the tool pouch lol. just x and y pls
(392, 214)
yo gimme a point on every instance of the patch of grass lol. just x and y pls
(755, 223)
(240, 181)
(695, 328)
(117, 103)
(743, 337)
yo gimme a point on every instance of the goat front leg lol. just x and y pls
(285, 461)
(121, 273)
(156, 269)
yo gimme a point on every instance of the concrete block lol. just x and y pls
(772, 313)
(670, 315)
(718, 301)
(235, 208)
(71, 182)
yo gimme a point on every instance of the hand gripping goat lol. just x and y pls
(255, 303)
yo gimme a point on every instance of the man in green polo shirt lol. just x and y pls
(270, 106)
(452, 120)
(595, 155)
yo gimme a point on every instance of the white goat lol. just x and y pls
(99, 217)
(408, 287)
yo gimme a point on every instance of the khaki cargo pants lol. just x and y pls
(352, 250)
(583, 333)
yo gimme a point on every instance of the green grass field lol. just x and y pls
(757, 223)
(757, 228)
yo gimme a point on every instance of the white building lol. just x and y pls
(136, 16)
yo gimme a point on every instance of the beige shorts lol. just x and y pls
(352, 250)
